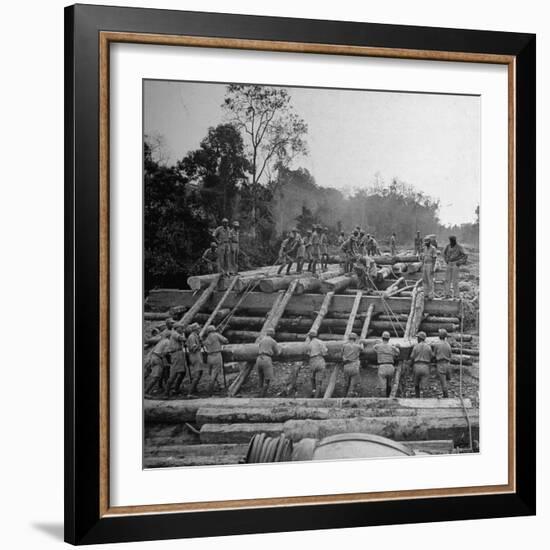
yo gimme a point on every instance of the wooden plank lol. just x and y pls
(321, 314)
(353, 313)
(201, 300)
(366, 323)
(218, 306)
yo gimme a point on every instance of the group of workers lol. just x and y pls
(311, 249)
(178, 352)
(223, 254)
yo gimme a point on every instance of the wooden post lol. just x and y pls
(218, 306)
(366, 323)
(322, 313)
(188, 317)
(353, 313)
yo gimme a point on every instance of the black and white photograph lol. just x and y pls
(311, 273)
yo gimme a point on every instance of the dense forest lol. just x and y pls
(243, 170)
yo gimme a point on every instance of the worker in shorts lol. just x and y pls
(234, 248)
(351, 352)
(267, 348)
(178, 361)
(386, 354)
(429, 258)
(442, 354)
(158, 363)
(317, 351)
(196, 363)
(420, 358)
(213, 346)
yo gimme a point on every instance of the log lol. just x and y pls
(201, 300)
(238, 433)
(167, 415)
(353, 313)
(236, 336)
(394, 287)
(250, 415)
(261, 303)
(426, 327)
(444, 320)
(321, 314)
(401, 317)
(399, 428)
(466, 351)
(400, 267)
(390, 260)
(307, 282)
(197, 282)
(366, 323)
(414, 267)
(384, 273)
(337, 284)
(155, 316)
(274, 284)
(218, 306)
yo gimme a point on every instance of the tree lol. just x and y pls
(272, 131)
(218, 168)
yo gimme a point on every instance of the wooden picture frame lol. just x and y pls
(89, 32)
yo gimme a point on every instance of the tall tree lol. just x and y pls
(272, 130)
(218, 168)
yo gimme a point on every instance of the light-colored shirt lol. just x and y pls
(430, 255)
(442, 350)
(351, 352)
(234, 236)
(386, 353)
(161, 348)
(421, 353)
(175, 341)
(268, 346)
(454, 253)
(317, 347)
(214, 341)
(222, 234)
(193, 342)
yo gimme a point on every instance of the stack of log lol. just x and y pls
(225, 426)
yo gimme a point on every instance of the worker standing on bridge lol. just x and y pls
(323, 245)
(196, 363)
(429, 258)
(222, 234)
(348, 249)
(317, 351)
(418, 244)
(421, 357)
(234, 248)
(158, 363)
(386, 355)
(300, 250)
(210, 257)
(307, 246)
(351, 352)
(213, 346)
(315, 248)
(443, 353)
(178, 361)
(282, 259)
(393, 245)
(454, 257)
(267, 348)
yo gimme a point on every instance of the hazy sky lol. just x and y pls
(430, 141)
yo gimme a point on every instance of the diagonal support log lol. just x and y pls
(271, 322)
(203, 298)
(322, 313)
(366, 323)
(219, 305)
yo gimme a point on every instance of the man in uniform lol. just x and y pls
(454, 257)
(158, 363)
(420, 358)
(210, 257)
(342, 255)
(366, 271)
(178, 361)
(267, 348)
(234, 248)
(350, 356)
(315, 249)
(282, 259)
(442, 354)
(429, 258)
(307, 246)
(374, 246)
(348, 249)
(393, 245)
(300, 250)
(386, 355)
(213, 346)
(418, 244)
(197, 366)
(222, 236)
(317, 351)
(323, 245)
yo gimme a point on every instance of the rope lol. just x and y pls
(387, 307)
(249, 288)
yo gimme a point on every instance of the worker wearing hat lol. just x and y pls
(348, 249)
(454, 256)
(307, 246)
(442, 354)
(386, 355)
(222, 234)
(351, 352)
(420, 358)
(315, 250)
(214, 361)
(323, 247)
(429, 257)
(267, 348)
(196, 363)
(317, 351)
(157, 363)
(178, 360)
(210, 257)
(300, 250)
(234, 248)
